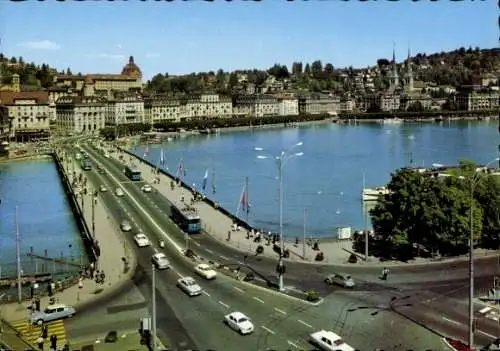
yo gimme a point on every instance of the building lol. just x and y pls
(288, 106)
(472, 100)
(208, 106)
(104, 84)
(255, 106)
(164, 108)
(29, 114)
(347, 104)
(390, 102)
(319, 104)
(125, 109)
(4, 130)
(15, 86)
(80, 114)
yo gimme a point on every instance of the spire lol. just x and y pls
(410, 70)
(395, 77)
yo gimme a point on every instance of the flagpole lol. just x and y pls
(246, 200)
(240, 202)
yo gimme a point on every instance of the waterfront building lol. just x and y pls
(390, 102)
(97, 84)
(125, 108)
(316, 104)
(163, 108)
(288, 106)
(208, 106)
(29, 114)
(255, 106)
(472, 100)
(4, 130)
(81, 114)
(347, 104)
(54, 94)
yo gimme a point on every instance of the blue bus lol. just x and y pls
(86, 164)
(133, 174)
(187, 219)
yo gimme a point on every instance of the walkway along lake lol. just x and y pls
(46, 221)
(325, 183)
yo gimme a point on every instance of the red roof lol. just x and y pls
(10, 97)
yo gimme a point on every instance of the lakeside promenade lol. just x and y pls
(87, 292)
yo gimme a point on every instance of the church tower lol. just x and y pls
(394, 75)
(409, 72)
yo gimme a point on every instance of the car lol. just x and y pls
(205, 271)
(189, 286)
(103, 189)
(239, 322)
(52, 313)
(341, 279)
(111, 337)
(141, 240)
(119, 192)
(160, 261)
(125, 226)
(146, 188)
(329, 341)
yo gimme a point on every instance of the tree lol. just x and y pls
(317, 69)
(307, 70)
(297, 68)
(381, 62)
(329, 70)
(233, 81)
(415, 106)
(68, 72)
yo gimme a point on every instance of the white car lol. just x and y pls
(119, 192)
(146, 188)
(329, 341)
(141, 240)
(103, 189)
(189, 286)
(125, 226)
(239, 322)
(161, 261)
(205, 271)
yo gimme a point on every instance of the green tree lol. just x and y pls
(329, 70)
(317, 69)
(307, 70)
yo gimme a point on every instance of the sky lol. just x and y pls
(181, 37)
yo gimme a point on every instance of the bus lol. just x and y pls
(187, 219)
(86, 164)
(132, 173)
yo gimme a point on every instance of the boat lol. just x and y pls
(373, 194)
(392, 121)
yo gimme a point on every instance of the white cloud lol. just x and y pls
(151, 55)
(118, 57)
(119, 46)
(40, 45)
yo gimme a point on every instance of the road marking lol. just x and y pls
(223, 304)
(280, 311)
(224, 257)
(197, 244)
(304, 323)
(267, 329)
(486, 334)
(209, 251)
(484, 310)
(450, 321)
(294, 345)
(238, 289)
(256, 298)
(203, 291)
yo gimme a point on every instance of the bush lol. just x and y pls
(319, 257)
(312, 295)
(259, 250)
(353, 259)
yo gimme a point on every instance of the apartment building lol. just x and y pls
(476, 100)
(288, 106)
(4, 130)
(318, 104)
(125, 109)
(208, 106)
(164, 108)
(29, 114)
(81, 114)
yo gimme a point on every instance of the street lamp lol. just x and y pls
(280, 162)
(473, 182)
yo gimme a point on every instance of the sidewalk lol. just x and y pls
(218, 224)
(109, 237)
(127, 340)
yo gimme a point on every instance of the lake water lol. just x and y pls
(326, 181)
(45, 219)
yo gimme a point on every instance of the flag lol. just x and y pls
(146, 150)
(205, 179)
(244, 200)
(213, 183)
(162, 157)
(180, 168)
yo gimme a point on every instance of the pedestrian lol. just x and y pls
(39, 342)
(385, 273)
(53, 341)
(45, 332)
(37, 304)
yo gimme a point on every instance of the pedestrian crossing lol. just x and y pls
(31, 332)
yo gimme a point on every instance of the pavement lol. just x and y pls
(281, 322)
(110, 261)
(436, 292)
(127, 340)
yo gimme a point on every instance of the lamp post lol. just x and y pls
(473, 182)
(280, 162)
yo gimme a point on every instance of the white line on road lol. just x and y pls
(486, 334)
(304, 323)
(450, 321)
(204, 292)
(280, 311)
(209, 251)
(294, 345)
(197, 244)
(256, 298)
(484, 310)
(238, 289)
(267, 329)
(224, 257)
(223, 304)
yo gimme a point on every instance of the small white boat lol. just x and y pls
(373, 194)
(392, 121)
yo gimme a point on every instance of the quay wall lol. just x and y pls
(240, 222)
(91, 245)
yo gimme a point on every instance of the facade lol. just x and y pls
(473, 100)
(255, 106)
(315, 105)
(77, 114)
(102, 84)
(390, 102)
(4, 130)
(208, 106)
(288, 106)
(163, 108)
(29, 114)
(347, 104)
(125, 109)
